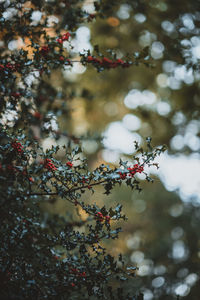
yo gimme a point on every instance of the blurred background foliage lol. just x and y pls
(112, 108)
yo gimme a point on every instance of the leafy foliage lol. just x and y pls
(46, 256)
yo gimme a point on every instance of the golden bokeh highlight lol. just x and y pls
(112, 21)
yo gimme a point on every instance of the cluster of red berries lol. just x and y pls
(107, 63)
(69, 164)
(12, 169)
(135, 169)
(66, 61)
(122, 175)
(12, 67)
(44, 50)
(132, 171)
(100, 217)
(49, 165)
(17, 146)
(77, 272)
(16, 95)
(64, 37)
(84, 180)
(9, 66)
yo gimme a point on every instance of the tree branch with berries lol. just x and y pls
(45, 255)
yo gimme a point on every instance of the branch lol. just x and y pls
(67, 192)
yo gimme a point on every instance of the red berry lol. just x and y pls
(120, 61)
(44, 50)
(90, 58)
(37, 115)
(65, 37)
(91, 16)
(59, 40)
(16, 95)
(69, 164)
(106, 61)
